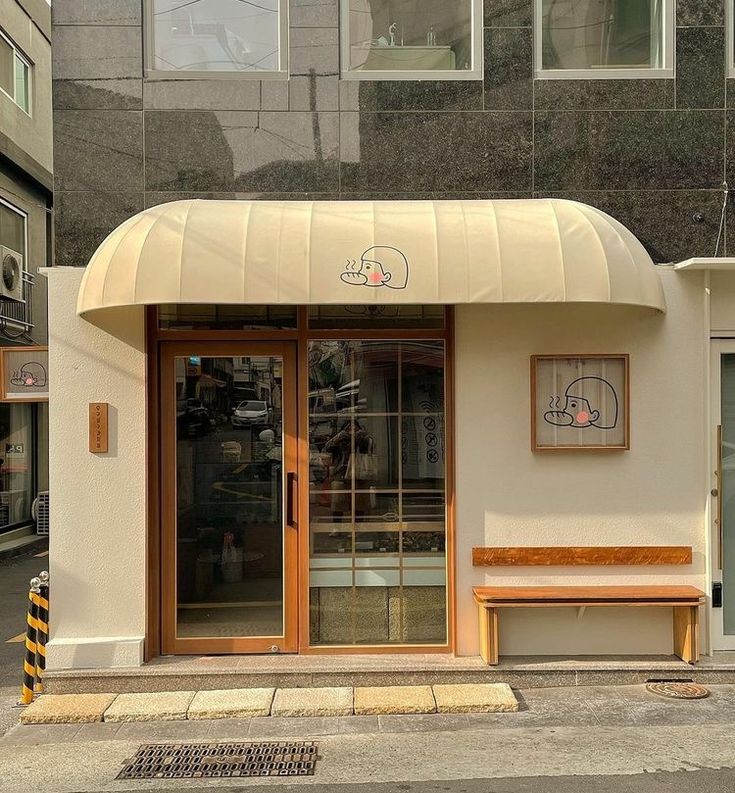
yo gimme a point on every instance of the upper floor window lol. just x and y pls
(604, 38)
(12, 230)
(227, 37)
(405, 40)
(15, 74)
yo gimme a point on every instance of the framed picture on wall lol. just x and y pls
(580, 402)
(24, 374)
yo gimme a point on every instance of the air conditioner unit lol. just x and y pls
(11, 275)
(40, 512)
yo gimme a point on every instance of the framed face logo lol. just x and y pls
(24, 374)
(580, 402)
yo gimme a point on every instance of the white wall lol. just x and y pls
(97, 538)
(506, 495)
(654, 494)
(722, 301)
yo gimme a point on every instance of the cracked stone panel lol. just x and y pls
(312, 702)
(231, 704)
(475, 698)
(67, 708)
(381, 700)
(159, 706)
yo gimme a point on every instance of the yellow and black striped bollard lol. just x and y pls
(42, 630)
(29, 663)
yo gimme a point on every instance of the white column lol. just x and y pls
(98, 501)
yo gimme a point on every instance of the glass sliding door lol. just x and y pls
(723, 504)
(377, 492)
(229, 462)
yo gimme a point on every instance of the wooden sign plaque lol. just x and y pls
(98, 427)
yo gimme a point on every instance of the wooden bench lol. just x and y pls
(685, 601)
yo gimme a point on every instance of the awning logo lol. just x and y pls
(380, 265)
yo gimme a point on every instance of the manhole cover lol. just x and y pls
(678, 690)
(199, 760)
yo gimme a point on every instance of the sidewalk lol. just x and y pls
(586, 731)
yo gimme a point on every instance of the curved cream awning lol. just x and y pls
(356, 252)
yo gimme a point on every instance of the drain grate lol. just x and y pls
(201, 760)
(678, 690)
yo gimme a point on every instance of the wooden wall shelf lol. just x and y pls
(563, 556)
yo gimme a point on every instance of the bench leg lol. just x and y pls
(488, 635)
(686, 633)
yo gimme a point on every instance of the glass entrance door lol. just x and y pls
(723, 501)
(228, 434)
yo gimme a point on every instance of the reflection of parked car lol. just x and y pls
(251, 412)
(194, 419)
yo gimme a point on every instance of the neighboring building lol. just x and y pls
(26, 194)
(318, 380)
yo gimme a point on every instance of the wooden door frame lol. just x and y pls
(446, 335)
(299, 337)
(170, 643)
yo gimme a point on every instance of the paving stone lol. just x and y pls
(475, 698)
(301, 727)
(233, 704)
(379, 700)
(312, 702)
(100, 731)
(160, 706)
(166, 731)
(38, 734)
(423, 722)
(67, 708)
(357, 725)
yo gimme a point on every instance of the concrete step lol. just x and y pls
(18, 541)
(236, 672)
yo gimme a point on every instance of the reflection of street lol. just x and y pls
(229, 497)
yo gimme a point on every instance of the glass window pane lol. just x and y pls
(16, 463)
(229, 521)
(225, 317)
(728, 492)
(22, 86)
(216, 35)
(377, 500)
(602, 34)
(403, 36)
(12, 229)
(7, 56)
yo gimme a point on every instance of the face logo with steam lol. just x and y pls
(30, 375)
(380, 265)
(582, 409)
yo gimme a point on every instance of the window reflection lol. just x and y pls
(216, 35)
(377, 504)
(594, 34)
(16, 463)
(396, 35)
(229, 496)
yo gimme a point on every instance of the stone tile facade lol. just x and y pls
(651, 152)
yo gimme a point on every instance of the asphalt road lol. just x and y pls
(680, 782)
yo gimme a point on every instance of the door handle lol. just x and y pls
(290, 499)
